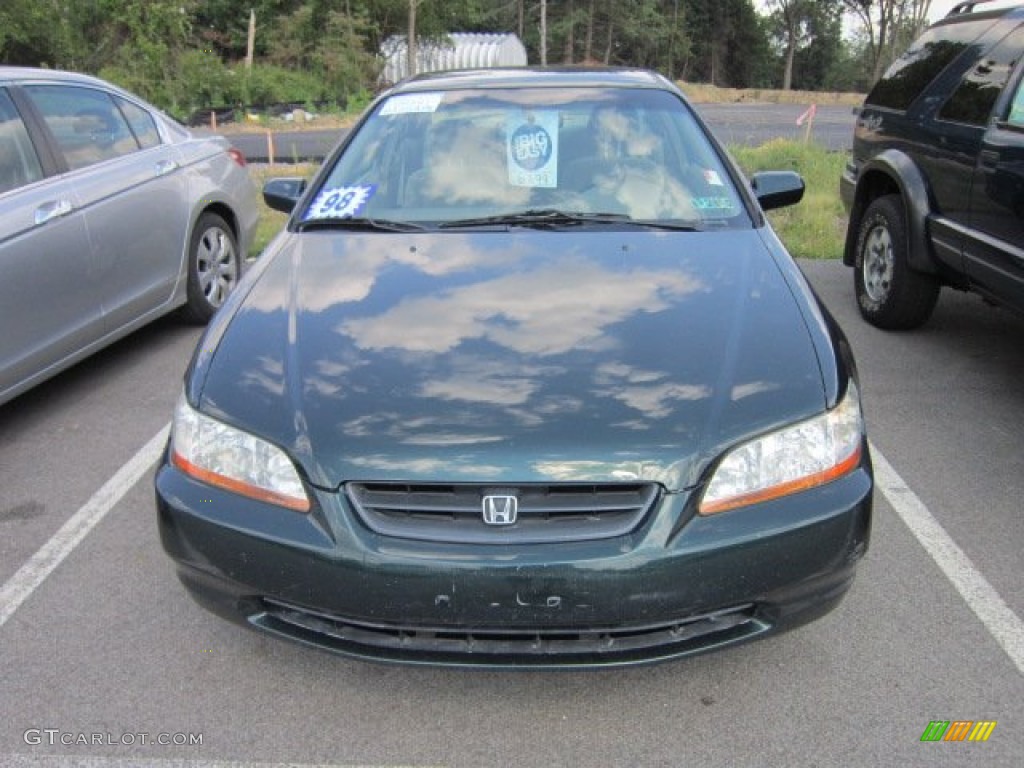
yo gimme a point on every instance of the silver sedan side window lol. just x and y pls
(141, 122)
(87, 125)
(18, 162)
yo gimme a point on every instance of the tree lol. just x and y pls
(221, 26)
(816, 60)
(809, 33)
(729, 46)
(26, 33)
(135, 43)
(888, 27)
(410, 37)
(790, 19)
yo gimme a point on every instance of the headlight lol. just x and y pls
(228, 458)
(789, 460)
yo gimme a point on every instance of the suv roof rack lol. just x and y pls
(967, 7)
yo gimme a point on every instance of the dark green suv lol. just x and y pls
(935, 185)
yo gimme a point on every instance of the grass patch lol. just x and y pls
(816, 227)
(813, 229)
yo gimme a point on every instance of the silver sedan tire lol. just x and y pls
(214, 267)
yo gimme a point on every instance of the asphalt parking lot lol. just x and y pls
(103, 654)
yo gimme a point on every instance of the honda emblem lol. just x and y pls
(500, 510)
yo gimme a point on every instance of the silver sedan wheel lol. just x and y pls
(878, 264)
(216, 265)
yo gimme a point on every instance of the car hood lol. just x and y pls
(518, 356)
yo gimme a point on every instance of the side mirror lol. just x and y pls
(777, 189)
(283, 194)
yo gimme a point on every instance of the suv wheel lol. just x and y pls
(213, 267)
(890, 294)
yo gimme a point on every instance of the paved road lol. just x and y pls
(744, 124)
(754, 124)
(108, 647)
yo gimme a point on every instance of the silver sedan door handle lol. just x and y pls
(52, 210)
(165, 166)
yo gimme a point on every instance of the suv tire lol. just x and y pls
(890, 294)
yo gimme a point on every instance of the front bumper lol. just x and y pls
(679, 584)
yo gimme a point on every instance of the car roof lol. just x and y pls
(973, 7)
(543, 77)
(14, 74)
(979, 10)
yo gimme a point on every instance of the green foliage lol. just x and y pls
(184, 54)
(819, 55)
(270, 84)
(358, 102)
(26, 33)
(205, 81)
(729, 47)
(851, 69)
(813, 28)
(328, 45)
(815, 227)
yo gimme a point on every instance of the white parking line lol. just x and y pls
(33, 573)
(999, 619)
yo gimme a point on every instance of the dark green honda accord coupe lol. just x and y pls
(527, 379)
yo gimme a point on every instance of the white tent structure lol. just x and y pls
(457, 51)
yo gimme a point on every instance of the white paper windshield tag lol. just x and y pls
(409, 103)
(533, 148)
(340, 202)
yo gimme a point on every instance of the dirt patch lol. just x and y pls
(702, 93)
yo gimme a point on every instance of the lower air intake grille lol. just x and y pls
(511, 646)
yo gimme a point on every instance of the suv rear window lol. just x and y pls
(911, 73)
(974, 98)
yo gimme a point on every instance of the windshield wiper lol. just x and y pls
(674, 226)
(538, 217)
(552, 217)
(360, 224)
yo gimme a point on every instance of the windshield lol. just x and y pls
(474, 157)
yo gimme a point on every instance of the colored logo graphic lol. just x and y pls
(958, 730)
(531, 147)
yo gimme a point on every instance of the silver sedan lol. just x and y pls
(111, 214)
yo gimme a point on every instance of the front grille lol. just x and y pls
(511, 646)
(546, 513)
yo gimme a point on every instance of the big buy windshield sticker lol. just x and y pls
(533, 149)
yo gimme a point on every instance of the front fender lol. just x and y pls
(894, 172)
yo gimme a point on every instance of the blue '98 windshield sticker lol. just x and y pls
(340, 202)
